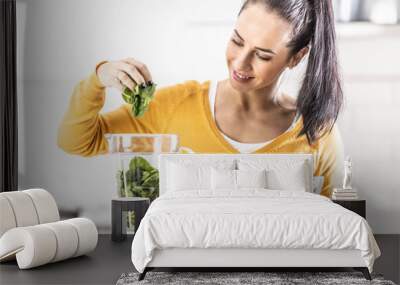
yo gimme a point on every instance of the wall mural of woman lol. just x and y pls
(245, 113)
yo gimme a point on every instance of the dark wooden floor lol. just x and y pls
(110, 260)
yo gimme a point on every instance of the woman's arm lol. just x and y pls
(82, 128)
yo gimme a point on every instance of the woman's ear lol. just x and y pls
(295, 59)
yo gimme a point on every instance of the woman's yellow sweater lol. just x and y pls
(182, 109)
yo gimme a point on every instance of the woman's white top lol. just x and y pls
(241, 147)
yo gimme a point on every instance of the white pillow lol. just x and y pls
(228, 179)
(187, 177)
(293, 179)
(201, 160)
(251, 178)
(223, 179)
(282, 173)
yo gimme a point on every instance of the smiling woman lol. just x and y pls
(271, 36)
(243, 113)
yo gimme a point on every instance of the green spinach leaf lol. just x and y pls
(140, 97)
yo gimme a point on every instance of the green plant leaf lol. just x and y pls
(140, 162)
(142, 179)
(140, 97)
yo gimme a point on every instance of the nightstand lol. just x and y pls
(119, 208)
(357, 206)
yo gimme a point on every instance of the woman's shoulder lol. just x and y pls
(185, 88)
(331, 139)
(328, 138)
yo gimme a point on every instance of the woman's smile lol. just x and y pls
(240, 77)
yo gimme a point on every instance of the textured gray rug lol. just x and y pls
(243, 278)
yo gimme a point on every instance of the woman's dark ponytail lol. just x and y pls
(320, 97)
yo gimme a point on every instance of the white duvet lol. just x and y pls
(252, 218)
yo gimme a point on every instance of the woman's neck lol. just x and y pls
(265, 99)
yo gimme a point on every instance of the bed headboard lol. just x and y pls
(211, 159)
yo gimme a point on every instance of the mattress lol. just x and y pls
(250, 219)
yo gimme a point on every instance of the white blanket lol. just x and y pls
(252, 218)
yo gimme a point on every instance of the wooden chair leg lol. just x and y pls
(364, 271)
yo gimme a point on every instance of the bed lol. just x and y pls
(246, 211)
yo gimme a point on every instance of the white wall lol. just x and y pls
(59, 43)
(369, 123)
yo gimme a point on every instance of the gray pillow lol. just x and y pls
(317, 182)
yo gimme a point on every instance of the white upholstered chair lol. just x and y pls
(31, 231)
